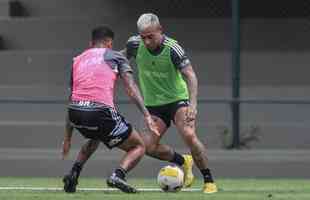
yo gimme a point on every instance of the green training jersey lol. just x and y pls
(160, 80)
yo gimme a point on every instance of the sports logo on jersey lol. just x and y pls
(84, 103)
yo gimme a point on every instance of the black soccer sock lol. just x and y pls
(76, 169)
(207, 177)
(177, 159)
(120, 173)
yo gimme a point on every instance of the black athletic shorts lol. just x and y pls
(99, 122)
(167, 112)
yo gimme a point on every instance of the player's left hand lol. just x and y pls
(66, 145)
(190, 114)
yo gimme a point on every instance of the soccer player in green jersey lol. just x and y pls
(169, 86)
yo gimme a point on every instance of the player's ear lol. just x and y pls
(108, 43)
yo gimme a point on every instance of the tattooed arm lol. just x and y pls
(121, 64)
(134, 93)
(182, 62)
(192, 85)
(120, 61)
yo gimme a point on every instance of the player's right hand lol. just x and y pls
(151, 125)
(190, 115)
(66, 145)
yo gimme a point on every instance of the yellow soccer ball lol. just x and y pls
(170, 178)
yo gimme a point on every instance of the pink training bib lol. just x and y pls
(93, 78)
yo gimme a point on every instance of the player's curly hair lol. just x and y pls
(102, 33)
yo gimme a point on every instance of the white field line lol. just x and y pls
(87, 189)
(148, 189)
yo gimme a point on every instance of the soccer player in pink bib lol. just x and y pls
(92, 111)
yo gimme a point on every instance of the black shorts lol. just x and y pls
(99, 122)
(167, 112)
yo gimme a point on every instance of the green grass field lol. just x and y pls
(230, 189)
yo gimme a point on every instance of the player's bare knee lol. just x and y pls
(149, 139)
(141, 148)
(151, 149)
(190, 138)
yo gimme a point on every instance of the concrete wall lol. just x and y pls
(273, 65)
(121, 8)
(4, 8)
(201, 34)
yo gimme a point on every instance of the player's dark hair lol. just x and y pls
(101, 33)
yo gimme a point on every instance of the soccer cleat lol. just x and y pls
(209, 188)
(116, 182)
(70, 183)
(188, 170)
